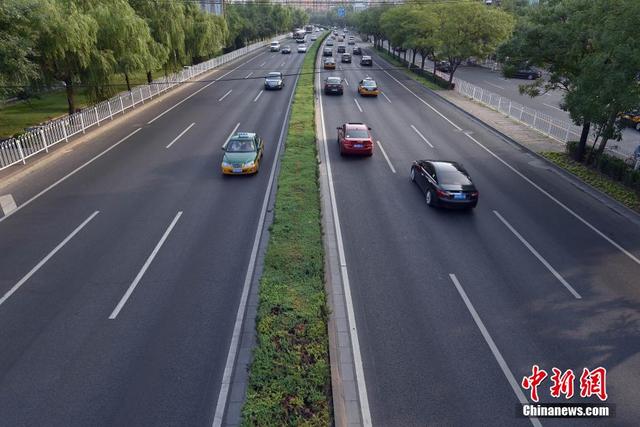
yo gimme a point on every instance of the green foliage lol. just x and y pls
(599, 179)
(427, 79)
(289, 380)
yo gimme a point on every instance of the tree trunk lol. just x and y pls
(423, 59)
(578, 155)
(126, 79)
(434, 68)
(605, 138)
(413, 59)
(70, 96)
(389, 47)
(149, 77)
(405, 56)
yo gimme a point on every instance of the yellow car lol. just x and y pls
(368, 87)
(631, 119)
(329, 64)
(242, 154)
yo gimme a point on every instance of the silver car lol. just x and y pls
(273, 80)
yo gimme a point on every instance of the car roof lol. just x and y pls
(333, 78)
(366, 57)
(274, 73)
(243, 136)
(356, 125)
(445, 165)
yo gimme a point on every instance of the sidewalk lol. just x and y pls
(519, 132)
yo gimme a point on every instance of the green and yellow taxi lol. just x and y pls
(242, 154)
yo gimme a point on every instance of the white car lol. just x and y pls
(314, 38)
(302, 48)
(275, 46)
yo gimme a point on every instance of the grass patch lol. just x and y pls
(289, 379)
(623, 194)
(396, 62)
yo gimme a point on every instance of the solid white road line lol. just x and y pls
(494, 85)
(200, 90)
(494, 348)
(225, 95)
(181, 133)
(421, 136)
(386, 97)
(554, 107)
(353, 329)
(258, 96)
(537, 255)
(144, 268)
(7, 204)
(384, 153)
(248, 75)
(73, 172)
(231, 134)
(423, 101)
(521, 175)
(46, 258)
(357, 104)
(223, 395)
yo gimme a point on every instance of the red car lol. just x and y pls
(355, 138)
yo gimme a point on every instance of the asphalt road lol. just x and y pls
(539, 273)
(548, 104)
(129, 214)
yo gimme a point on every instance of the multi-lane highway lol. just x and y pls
(453, 308)
(121, 272)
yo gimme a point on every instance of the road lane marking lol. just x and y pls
(231, 134)
(554, 107)
(258, 96)
(225, 385)
(524, 177)
(384, 153)
(358, 105)
(423, 101)
(494, 85)
(494, 348)
(421, 136)
(144, 268)
(346, 81)
(200, 90)
(7, 204)
(537, 255)
(283, 62)
(353, 329)
(73, 172)
(39, 265)
(248, 75)
(262, 65)
(225, 95)
(386, 97)
(181, 133)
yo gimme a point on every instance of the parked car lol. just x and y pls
(355, 138)
(444, 66)
(444, 183)
(357, 50)
(523, 73)
(333, 85)
(346, 58)
(631, 119)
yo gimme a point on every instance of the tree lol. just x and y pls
(469, 29)
(17, 43)
(65, 43)
(393, 23)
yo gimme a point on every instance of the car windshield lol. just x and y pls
(240, 146)
(356, 133)
(273, 75)
(369, 83)
(333, 80)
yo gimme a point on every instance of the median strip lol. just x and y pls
(289, 378)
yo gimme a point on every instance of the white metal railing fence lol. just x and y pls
(560, 130)
(18, 150)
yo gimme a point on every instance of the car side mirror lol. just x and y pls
(369, 128)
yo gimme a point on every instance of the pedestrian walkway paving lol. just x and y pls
(519, 132)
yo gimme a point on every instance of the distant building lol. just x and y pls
(213, 6)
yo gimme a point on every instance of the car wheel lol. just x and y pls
(430, 198)
(638, 126)
(413, 175)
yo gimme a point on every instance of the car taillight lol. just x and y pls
(443, 194)
(474, 194)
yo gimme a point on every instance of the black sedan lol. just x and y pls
(333, 85)
(444, 183)
(357, 50)
(524, 73)
(327, 51)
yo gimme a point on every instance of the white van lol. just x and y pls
(275, 46)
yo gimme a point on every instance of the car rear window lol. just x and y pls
(452, 177)
(334, 80)
(356, 133)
